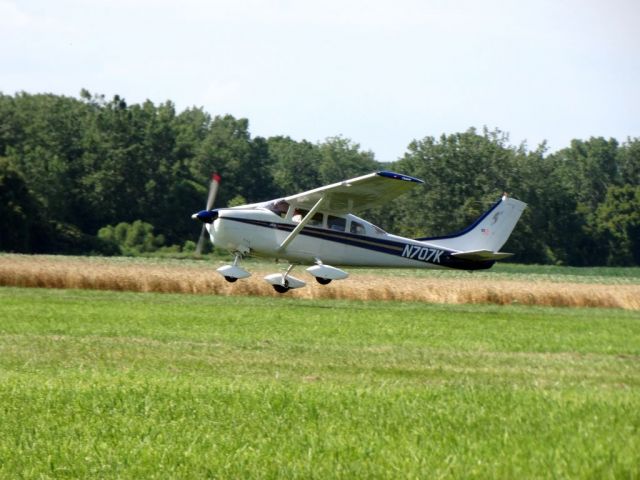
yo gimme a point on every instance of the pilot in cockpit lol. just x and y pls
(279, 207)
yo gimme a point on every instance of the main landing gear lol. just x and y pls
(283, 282)
(323, 274)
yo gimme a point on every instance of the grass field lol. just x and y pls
(97, 384)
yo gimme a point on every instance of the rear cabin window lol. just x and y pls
(316, 220)
(357, 228)
(379, 231)
(336, 223)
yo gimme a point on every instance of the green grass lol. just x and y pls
(106, 385)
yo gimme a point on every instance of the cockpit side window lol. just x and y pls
(336, 223)
(299, 214)
(316, 220)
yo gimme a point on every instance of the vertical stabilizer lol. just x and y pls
(489, 232)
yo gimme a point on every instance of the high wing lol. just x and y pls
(357, 193)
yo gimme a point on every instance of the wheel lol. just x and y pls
(323, 281)
(230, 279)
(281, 288)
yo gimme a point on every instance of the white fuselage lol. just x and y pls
(353, 242)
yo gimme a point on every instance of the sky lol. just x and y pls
(381, 73)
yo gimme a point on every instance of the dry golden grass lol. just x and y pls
(201, 278)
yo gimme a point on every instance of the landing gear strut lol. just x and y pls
(236, 258)
(284, 286)
(232, 273)
(325, 273)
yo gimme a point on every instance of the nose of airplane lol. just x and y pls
(205, 216)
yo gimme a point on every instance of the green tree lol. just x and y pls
(545, 234)
(73, 165)
(132, 238)
(237, 201)
(42, 134)
(464, 173)
(617, 222)
(587, 169)
(629, 162)
(243, 163)
(20, 212)
(294, 165)
(340, 159)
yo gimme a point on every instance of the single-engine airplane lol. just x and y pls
(316, 228)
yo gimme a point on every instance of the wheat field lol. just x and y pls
(123, 274)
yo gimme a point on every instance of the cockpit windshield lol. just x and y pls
(279, 207)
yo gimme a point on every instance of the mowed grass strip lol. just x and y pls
(130, 385)
(508, 284)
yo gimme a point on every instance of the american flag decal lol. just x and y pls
(485, 231)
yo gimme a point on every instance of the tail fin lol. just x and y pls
(488, 233)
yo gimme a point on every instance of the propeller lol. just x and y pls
(213, 191)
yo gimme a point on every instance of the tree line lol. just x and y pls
(95, 175)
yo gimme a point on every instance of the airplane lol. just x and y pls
(317, 228)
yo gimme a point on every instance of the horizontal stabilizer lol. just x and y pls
(481, 255)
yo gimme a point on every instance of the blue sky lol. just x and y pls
(381, 73)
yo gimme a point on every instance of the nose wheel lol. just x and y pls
(232, 273)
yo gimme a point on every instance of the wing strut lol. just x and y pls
(301, 225)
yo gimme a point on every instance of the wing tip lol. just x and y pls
(398, 176)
